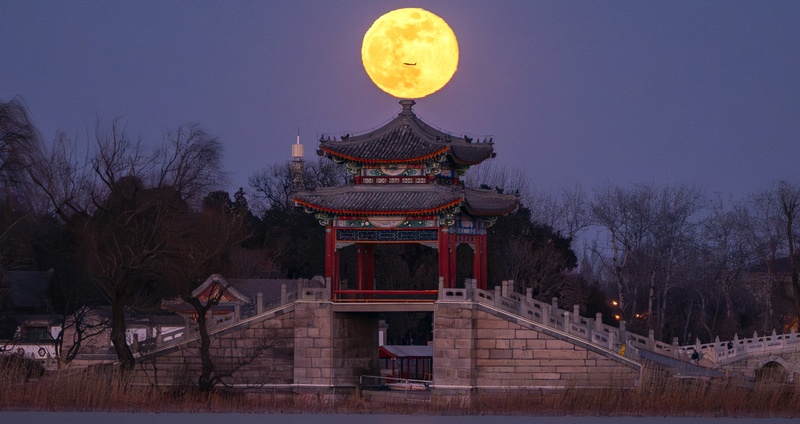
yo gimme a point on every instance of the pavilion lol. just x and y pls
(407, 187)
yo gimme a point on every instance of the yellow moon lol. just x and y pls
(410, 53)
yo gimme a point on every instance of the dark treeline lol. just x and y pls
(673, 260)
(125, 225)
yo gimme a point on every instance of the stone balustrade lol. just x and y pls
(722, 353)
(307, 290)
(571, 322)
(593, 330)
(505, 298)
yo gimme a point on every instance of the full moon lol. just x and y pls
(410, 53)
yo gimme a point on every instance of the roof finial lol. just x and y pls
(407, 104)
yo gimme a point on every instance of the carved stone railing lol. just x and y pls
(547, 314)
(307, 290)
(721, 353)
(593, 330)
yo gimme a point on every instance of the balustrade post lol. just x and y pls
(598, 321)
(546, 315)
(554, 306)
(441, 288)
(623, 337)
(260, 303)
(328, 289)
(576, 313)
(610, 341)
(675, 347)
(529, 294)
(566, 321)
(497, 293)
(651, 339)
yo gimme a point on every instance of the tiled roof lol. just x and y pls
(379, 199)
(406, 139)
(481, 202)
(406, 199)
(400, 144)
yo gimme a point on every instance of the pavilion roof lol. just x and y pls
(406, 199)
(400, 199)
(406, 139)
(480, 202)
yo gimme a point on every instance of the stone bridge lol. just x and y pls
(482, 340)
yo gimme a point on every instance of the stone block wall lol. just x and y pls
(475, 347)
(253, 352)
(307, 345)
(751, 364)
(333, 349)
(454, 347)
(313, 333)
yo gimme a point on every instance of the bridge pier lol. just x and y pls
(479, 348)
(332, 349)
(454, 350)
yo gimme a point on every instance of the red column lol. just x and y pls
(444, 255)
(484, 262)
(369, 267)
(365, 266)
(477, 263)
(453, 244)
(336, 271)
(330, 257)
(359, 267)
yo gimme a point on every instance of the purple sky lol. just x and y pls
(594, 92)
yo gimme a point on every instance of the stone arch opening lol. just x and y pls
(772, 372)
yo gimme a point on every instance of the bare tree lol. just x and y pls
(566, 212)
(789, 199)
(765, 236)
(627, 217)
(649, 232)
(273, 185)
(673, 243)
(195, 250)
(189, 162)
(120, 202)
(20, 149)
(727, 251)
(76, 329)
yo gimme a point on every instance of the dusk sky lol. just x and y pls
(593, 92)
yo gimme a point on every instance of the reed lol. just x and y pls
(105, 388)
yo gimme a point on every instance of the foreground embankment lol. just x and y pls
(105, 389)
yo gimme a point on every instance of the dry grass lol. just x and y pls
(105, 389)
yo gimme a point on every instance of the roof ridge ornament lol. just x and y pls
(407, 104)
